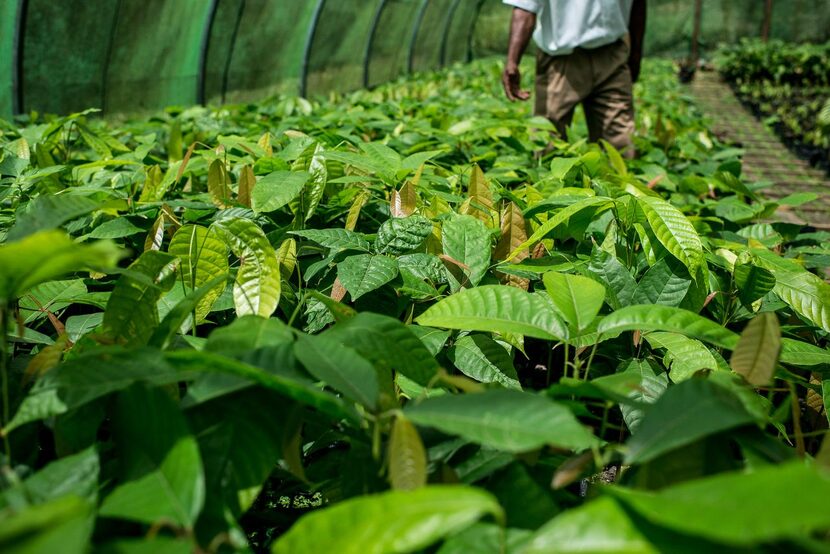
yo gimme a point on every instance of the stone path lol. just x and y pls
(765, 158)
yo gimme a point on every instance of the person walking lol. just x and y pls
(588, 52)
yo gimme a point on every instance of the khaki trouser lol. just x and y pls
(599, 78)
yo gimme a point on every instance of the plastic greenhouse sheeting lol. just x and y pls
(387, 58)
(8, 68)
(669, 27)
(134, 55)
(256, 48)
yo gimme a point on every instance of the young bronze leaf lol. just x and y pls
(513, 235)
(219, 184)
(757, 351)
(480, 201)
(150, 192)
(354, 210)
(395, 205)
(247, 181)
(408, 198)
(156, 234)
(287, 258)
(407, 457)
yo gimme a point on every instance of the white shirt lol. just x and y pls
(562, 25)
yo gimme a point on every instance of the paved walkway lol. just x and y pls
(765, 158)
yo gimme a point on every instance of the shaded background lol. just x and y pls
(135, 55)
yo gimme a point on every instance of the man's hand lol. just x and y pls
(511, 79)
(521, 28)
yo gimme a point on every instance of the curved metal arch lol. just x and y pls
(370, 42)
(415, 29)
(204, 50)
(17, 55)
(108, 56)
(312, 32)
(442, 60)
(471, 33)
(227, 69)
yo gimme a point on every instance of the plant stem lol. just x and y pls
(550, 363)
(376, 439)
(796, 410)
(301, 298)
(565, 365)
(604, 425)
(590, 360)
(4, 374)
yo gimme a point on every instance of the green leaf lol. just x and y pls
(194, 361)
(466, 239)
(115, 229)
(218, 183)
(366, 272)
(674, 231)
(666, 318)
(52, 296)
(50, 211)
(497, 309)
(684, 414)
(752, 282)
(154, 435)
(63, 525)
(131, 315)
(756, 353)
(662, 284)
(407, 457)
(79, 325)
(508, 420)
(340, 367)
(248, 334)
(793, 500)
(335, 239)
(144, 545)
(242, 436)
(46, 256)
(687, 356)
(598, 526)
(277, 189)
(614, 158)
(177, 319)
(73, 475)
(83, 379)
(204, 258)
(596, 203)
(388, 523)
(485, 538)
(620, 286)
(803, 354)
(257, 286)
(804, 292)
(577, 298)
(649, 386)
(381, 339)
(401, 235)
(483, 359)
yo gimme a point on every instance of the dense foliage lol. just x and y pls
(386, 322)
(789, 86)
